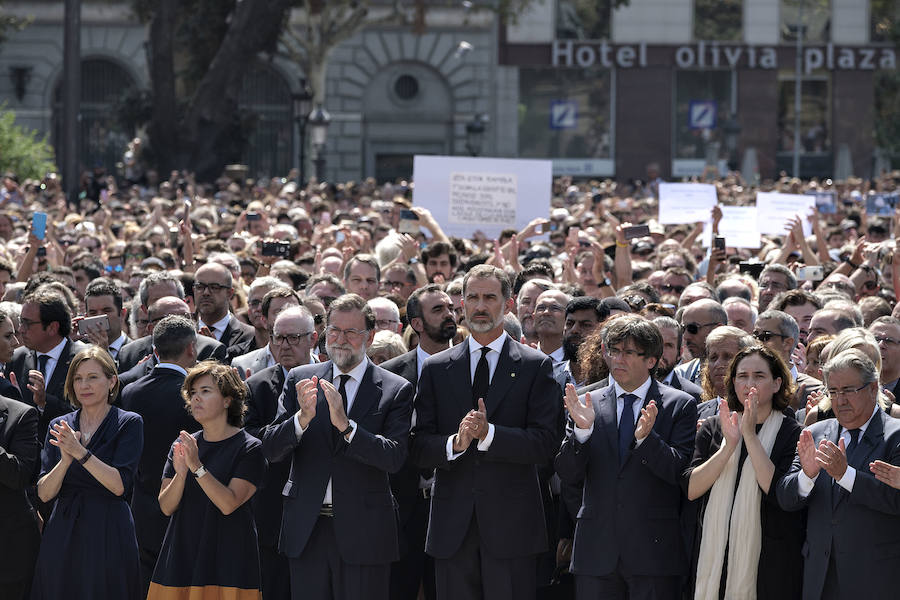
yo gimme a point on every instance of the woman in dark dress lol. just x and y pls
(746, 546)
(210, 549)
(89, 462)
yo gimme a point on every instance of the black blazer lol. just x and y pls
(364, 508)
(262, 406)
(501, 485)
(20, 452)
(131, 353)
(405, 365)
(680, 383)
(238, 338)
(862, 534)
(157, 398)
(25, 360)
(630, 514)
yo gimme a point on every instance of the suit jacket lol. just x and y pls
(690, 370)
(20, 452)
(806, 385)
(157, 398)
(363, 505)
(405, 365)
(863, 530)
(630, 514)
(239, 338)
(8, 390)
(262, 406)
(500, 485)
(678, 383)
(255, 361)
(25, 360)
(131, 353)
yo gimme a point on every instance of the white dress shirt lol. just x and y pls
(116, 345)
(351, 387)
(217, 328)
(54, 355)
(493, 357)
(805, 484)
(582, 435)
(173, 366)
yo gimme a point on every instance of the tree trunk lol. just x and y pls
(164, 124)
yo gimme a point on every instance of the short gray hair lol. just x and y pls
(851, 316)
(266, 281)
(851, 359)
(512, 326)
(787, 325)
(382, 302)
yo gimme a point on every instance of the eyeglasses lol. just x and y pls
(392, 284)
(870, 285)
(772, 285)
(765, 336)
(887, 340)
(694, 328)
(113, 269)
(351, 335)
(548, 308)
(844, 392)
(213, 287)
(318, 319)
(673, 288)
(26, 323)
(255, 303)
(129, 255)
(291, 339)
(616, 353)
(386, 323)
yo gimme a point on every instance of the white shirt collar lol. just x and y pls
(640, 392)
(862, 429)
(421, 355)
(173, 366)
(56, 351)
(356, 373)
(557, 355)
(117, 343)
(219, 326)
(496, 345)
(794, 371)
(667, 380)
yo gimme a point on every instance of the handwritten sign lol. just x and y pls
(483, 198)
(682, 203)
(774, 210)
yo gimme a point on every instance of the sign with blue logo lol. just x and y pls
(702, 114)
(563, 114)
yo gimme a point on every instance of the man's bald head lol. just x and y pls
(168, 305)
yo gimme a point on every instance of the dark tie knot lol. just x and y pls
(629, 399)
(484, 351)
(854, 435)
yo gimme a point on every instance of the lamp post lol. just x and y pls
(302, 105)
(475, 134)
(319, 120)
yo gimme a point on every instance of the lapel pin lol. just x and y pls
(512, 374)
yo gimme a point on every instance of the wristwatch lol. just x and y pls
(200, 472)
(348, 430)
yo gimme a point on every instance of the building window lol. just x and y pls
(703, 104)
(565, 113)
(103, 138)
(583, 19)
(265, 99)
(815, 114)
(885, 16)
(812, 17)
(718, 19)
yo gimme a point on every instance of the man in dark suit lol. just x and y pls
(630, 444)
(780, 332)
(887, 333)
(293, 336)
(8, 343)
(430, 314)
(665, 369)
(40, 365)
(213, 289)
(488, 414)
(157, 398)
(337, 495)
(103, 297)
(853, 520)
(697, 321)
(20, 537)
(273, 302)
(132, 353)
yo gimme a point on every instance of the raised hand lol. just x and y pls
(832, 458)
(646, 421)
(335, 405)
(806, 452)
(463, 437)
(730, 424)
(477, 421)
(886, 473)
(751, 407)
(191, 452)
(307, 396)
(36, 385)
(582, 413)
(67, 440)
(178, 461)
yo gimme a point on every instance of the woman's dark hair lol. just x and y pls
(229, 384)
(780, 399)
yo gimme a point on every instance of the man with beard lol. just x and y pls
(213, 289)
(697, 320)
(430, 313)
(344, 424)
(488, 415)
(583, 315)
(550, 322)
(665, 368)
(525, 302)
(439, 259)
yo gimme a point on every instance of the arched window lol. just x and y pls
(103, 137)
(265, 101)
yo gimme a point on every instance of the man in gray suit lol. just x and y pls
(854, 519)
(272, 303)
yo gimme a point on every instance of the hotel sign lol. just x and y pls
(717, 55)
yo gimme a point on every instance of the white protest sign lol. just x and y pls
(774, 209)
(683, 203)
(738, 227)
(467, 194)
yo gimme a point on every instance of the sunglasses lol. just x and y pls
(694, 328)
(113, 269)
(765, 336)
(673, 288)
(870, 285)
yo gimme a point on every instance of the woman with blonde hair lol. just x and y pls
(88, 465)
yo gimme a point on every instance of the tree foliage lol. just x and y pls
(886, 27)
(21, 151)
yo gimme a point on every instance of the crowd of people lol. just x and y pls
(254, 389)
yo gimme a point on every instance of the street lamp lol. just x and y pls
(475, 133)
(732, 130)
(319, 120)
(302, 105)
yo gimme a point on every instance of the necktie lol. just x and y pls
(42, 366)
(482, 380)
(626, 426)
(836, 490)
(342, 389)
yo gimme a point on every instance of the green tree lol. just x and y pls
(21, 151)
(886, 27)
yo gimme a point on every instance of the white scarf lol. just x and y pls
(735, 520)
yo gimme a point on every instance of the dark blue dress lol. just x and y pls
(89, 549)
(207, 554)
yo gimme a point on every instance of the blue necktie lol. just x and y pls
(626, 426)
(836, 490)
